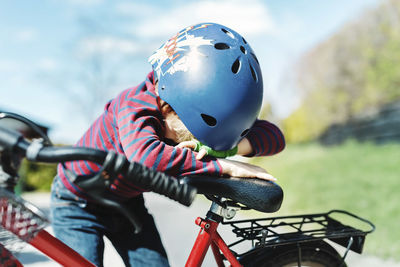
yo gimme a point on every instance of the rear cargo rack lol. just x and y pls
(277, 231)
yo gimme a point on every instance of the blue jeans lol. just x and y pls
(82, 225)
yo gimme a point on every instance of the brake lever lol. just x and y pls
(96, 187)
(106, 201)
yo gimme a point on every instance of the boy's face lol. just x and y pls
(175, 130)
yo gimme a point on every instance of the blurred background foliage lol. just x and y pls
(353, 75)
(354, 72)
(36, 176)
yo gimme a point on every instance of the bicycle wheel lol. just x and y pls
(312, 254)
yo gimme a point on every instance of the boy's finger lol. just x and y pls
(188, 144)
(268, 176)
(201, 154)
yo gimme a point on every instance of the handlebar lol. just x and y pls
(117, 164)
(257, 194)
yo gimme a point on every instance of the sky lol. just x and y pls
(51, 50)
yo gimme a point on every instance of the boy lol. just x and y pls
(200, 102)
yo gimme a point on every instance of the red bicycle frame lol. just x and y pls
(58, 251)
(209, 236)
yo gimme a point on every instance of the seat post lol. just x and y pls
(215, 213)
(218, 213)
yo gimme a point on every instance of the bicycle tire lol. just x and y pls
(313, 254)
(7, 258)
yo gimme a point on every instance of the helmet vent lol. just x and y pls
(243, 49)
(221, 46)
(244, 133)
(253, 73)
(236, 66)
(255, 58)
(209, 120)
(228, 33)
(244, 41)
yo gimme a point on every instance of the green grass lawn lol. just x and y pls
(362, 178)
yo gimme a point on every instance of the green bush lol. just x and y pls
(36, 176)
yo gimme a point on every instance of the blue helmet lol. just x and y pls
(211, 77)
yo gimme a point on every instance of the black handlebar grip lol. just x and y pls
(152, 180)
(9, 138)
(161, 183)
(164, 184)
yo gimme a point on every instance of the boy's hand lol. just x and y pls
(205, 150)
(231, 167)
(244, 147)
(192, 145)
(245, 170)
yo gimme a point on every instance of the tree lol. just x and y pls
(354, 71)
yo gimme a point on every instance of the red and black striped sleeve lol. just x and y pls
(265, 138)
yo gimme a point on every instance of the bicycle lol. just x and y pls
(299, 240)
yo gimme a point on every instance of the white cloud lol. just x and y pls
(132, 9)
(23, 74)
(9, 66)
(26, 35)
(107, 44)
(47, 64)
(83, 3)
(249, 18)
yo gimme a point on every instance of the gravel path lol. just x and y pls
(172, 220)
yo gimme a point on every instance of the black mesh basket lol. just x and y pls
(19, 221)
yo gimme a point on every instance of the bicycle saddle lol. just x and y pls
(257, 194)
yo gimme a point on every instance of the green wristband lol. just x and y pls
(215, 153)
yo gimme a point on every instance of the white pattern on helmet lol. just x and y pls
(163, 59)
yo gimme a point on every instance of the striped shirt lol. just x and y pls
(132, 124)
